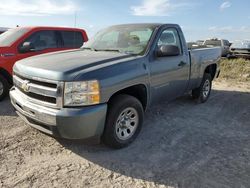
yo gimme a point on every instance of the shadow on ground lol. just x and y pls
(6, 108)
(184, 144)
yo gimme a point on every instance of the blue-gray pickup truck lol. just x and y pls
(103, 89)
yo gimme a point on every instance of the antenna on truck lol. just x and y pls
(75, 18)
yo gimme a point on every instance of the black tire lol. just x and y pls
(111, 133)
(4, 87)
(199, 94)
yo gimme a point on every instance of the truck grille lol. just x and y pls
(47, 93)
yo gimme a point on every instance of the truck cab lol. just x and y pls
(23, 42)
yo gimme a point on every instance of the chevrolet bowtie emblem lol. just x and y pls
(25, 86)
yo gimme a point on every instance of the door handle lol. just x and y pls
(182, 63)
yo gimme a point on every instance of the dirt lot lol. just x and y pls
(182, 144)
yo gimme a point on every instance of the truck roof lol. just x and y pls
(51, 27)
(147, 24)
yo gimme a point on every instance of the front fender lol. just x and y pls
(118, 76)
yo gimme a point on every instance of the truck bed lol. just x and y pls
(200, 58)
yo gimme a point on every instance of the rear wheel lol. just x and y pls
(4, 87)
(202, 93)
(124, 121)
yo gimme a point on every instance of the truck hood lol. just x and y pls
(66, 65)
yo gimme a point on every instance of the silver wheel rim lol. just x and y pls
(206, 88)
(126, 123)
(1, 88)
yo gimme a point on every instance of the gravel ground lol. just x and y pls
(182, 144)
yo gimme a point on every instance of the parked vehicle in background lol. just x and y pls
(103, 89)
(223, 43)
(240, 49)
(23, 42)
(192, 45)
(3, 29)
(200, 42)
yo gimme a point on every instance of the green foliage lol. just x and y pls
(235, 69)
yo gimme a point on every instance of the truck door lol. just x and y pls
(169, 74)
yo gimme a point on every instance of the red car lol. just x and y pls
(23, 42)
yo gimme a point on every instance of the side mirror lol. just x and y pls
(26, 47)
(168, 50)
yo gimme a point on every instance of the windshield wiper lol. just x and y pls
(89, 48)
(109, 50)
(130, 52)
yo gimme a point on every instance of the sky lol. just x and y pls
(227, 19)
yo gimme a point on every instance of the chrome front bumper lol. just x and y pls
(70, 123)
(23, 105)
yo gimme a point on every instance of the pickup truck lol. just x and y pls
(222, 43)
(103, 89)
(23, 42)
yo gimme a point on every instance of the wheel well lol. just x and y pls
(137, 91)
(6, 75)
(211, 69)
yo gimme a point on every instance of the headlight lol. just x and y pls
(81, 93)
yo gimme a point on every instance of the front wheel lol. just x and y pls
(4, 88)
(124, 121)
(202, 93)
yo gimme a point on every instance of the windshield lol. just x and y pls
(131, 39)
(243, 44)
(10, 36)
(213, 42)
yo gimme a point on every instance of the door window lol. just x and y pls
(170, 36)
(72, 39)
(42, 40)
